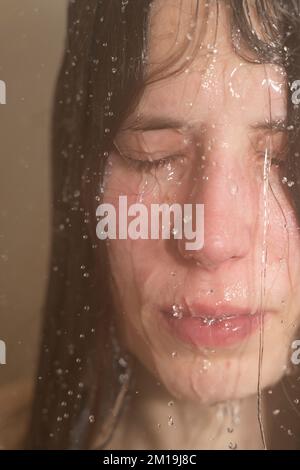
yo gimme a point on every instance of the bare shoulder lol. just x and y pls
(15, 403)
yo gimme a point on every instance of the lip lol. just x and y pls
(212, 327)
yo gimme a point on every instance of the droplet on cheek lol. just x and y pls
(233, 188)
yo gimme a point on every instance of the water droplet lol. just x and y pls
(206, 364)
(232, 445)
(170, 421)
(234, 189)
(123, 378)
(122, 362)
(177, 311)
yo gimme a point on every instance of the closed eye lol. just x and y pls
(143, 161)
(277, 159)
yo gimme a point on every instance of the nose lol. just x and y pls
(228, 199)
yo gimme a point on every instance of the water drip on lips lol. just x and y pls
(177, 311)
(233, 189)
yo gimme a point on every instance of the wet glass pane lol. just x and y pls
(150, 206)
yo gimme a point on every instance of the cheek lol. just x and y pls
(283, 233)
(131, 262)
(283, 257)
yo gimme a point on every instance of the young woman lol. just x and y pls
(149, 343)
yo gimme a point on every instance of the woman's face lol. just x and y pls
(204, 136)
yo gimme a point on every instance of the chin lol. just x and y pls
(212, 377)
(212, 381)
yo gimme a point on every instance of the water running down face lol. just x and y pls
(207, 136)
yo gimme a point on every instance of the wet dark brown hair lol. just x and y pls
(99, 83)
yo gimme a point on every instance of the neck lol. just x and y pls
(154, 419)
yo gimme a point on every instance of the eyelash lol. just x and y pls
(147, 165)
(277, 162)
(276, 159)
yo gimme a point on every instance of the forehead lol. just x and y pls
(213, 78)
(228, 89)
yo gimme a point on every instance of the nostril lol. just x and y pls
(218, 249)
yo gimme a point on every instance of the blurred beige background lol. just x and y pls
(31, 42)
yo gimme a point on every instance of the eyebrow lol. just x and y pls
(151, 123)
(276, 125)
(154, 123)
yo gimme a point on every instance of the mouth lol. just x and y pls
(211, 327)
